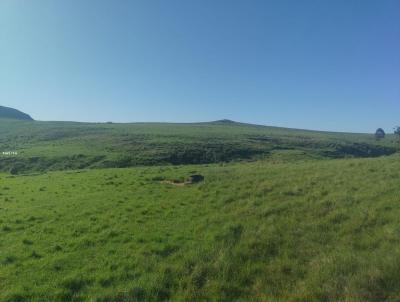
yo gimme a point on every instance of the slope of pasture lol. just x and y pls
(303, 231)
(44, 146)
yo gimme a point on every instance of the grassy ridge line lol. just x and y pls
(66, 145)
(11, 113)
(322, 230)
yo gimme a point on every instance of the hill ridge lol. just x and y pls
(11, 113)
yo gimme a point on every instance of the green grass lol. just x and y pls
(267, 230)
(44, 146)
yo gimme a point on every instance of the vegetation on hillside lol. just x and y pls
(44, 146)
(260, 231)
(262, 218)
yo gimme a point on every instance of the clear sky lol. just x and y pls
(315, 64)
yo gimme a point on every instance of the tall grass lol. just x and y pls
(259, 231)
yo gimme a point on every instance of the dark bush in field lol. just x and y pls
(195, 178)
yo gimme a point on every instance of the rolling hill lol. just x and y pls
(11, 113)
(320, 230)
(43, 146)
(100, 213)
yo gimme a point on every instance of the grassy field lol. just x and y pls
(305, 230)
(44, 146)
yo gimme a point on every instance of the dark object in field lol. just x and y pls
(195, 178)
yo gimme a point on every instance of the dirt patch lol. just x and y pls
(192, 179)
(173, 183)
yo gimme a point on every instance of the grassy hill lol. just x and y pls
(259, 231)
(43, 146)
(274, 220)
(11, 113)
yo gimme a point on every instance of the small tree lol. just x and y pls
(380, 134)
(397, 131)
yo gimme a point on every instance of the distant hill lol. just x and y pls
(225, 121)
(11, 113)
(44, 146)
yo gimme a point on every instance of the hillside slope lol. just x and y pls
(315, 231)
(11, 113)
(43, 146)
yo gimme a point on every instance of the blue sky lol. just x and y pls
(329, 65)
